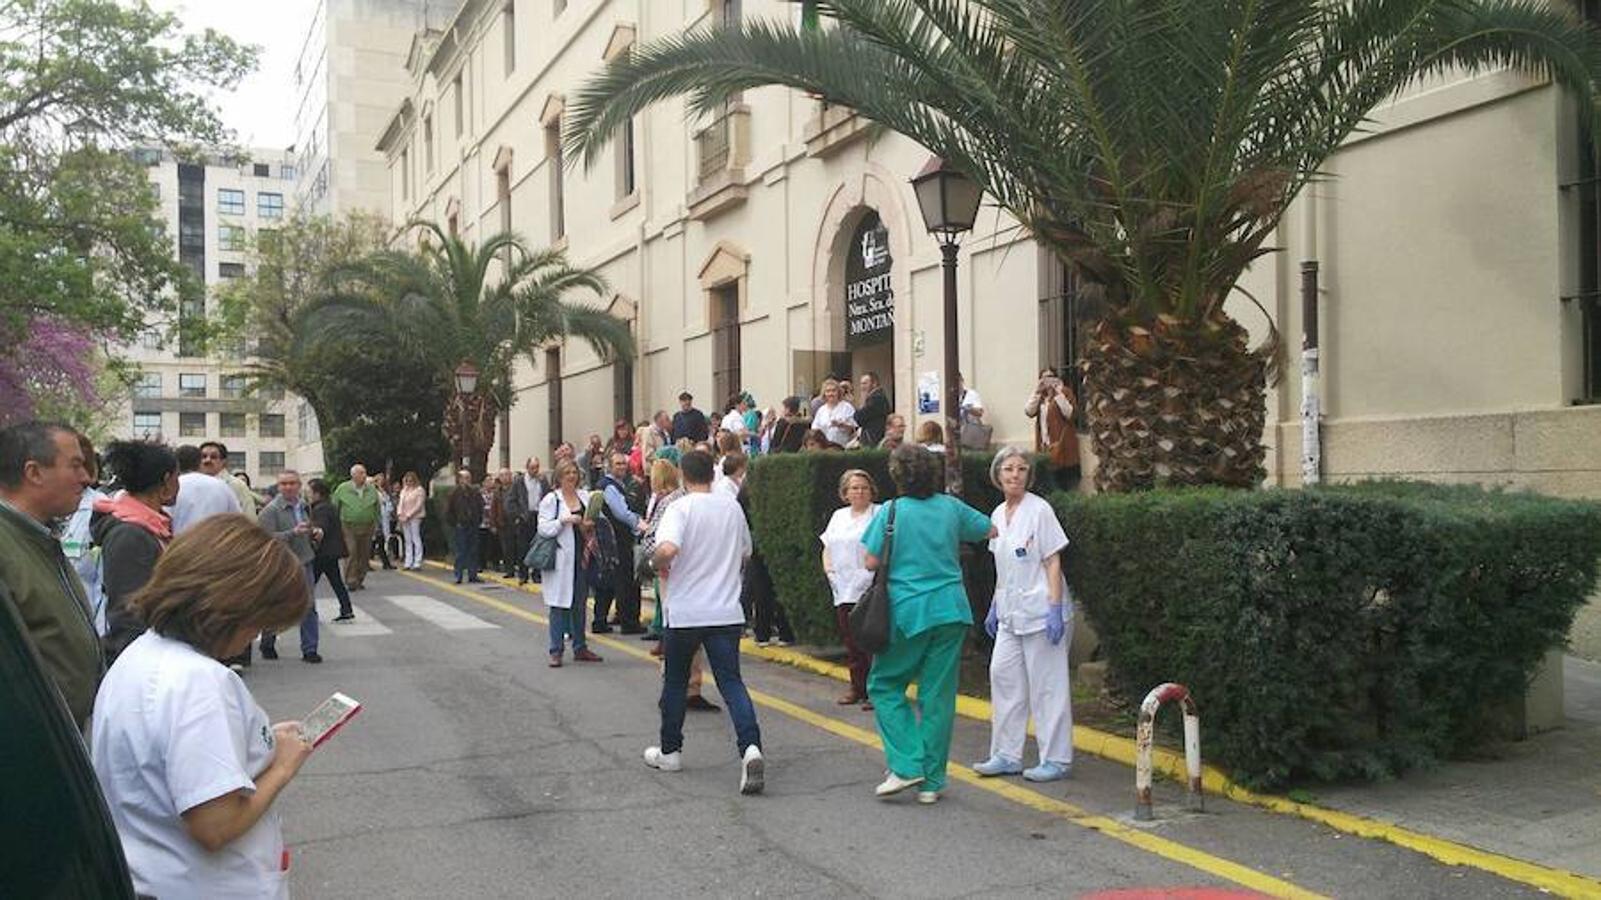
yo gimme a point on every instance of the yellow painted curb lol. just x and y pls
(1166, 848)
(1122, 750)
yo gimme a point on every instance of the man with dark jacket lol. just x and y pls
(464, 512)
(870, 415)
(689, 422)
(621, 510)
(42, 478)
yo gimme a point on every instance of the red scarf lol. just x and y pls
(129, 509)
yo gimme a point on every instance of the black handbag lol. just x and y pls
(869, 621)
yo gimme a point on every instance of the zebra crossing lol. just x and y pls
(436, 613)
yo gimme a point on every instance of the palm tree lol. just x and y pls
(1153, 146)
(440, 302)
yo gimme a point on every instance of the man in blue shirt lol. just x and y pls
(689, 422)
(622, 501)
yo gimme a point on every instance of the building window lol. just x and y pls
(192, 385)
(622, 390)
(508, 30)
(191, 339)
(191, 424)
(729, 13)
(270, 392)
(272, 425)
(556, 161)
(230, 237)
(503, 196)
(230, 202)
(726, 375)
(625, 161)
(458, 92)
(272, 462)
(288, 172)
(147, 424)
(405, 174)
(230, 270)
(553, 393)
(428, 143)
(306, 419)
(147, 385)
(270, 206)
(232, 387)
(191, 235)
(262, 170)
(231, 425)
(237, 461)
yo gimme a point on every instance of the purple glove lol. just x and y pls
(1055, 628)
(992, 621)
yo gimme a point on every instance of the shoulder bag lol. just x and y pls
(870, 620)
(542, 550)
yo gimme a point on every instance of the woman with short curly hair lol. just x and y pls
(845, 564)
(929, 618)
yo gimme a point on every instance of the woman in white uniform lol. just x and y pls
(188, 762)
(845, 563)
(566, 590)
(1029, 619)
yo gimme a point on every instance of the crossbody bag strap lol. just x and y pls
(889, 537)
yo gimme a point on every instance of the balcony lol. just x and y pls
(833, 129)
(722, 149)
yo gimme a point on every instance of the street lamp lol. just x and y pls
(466, 384)
(949, 200)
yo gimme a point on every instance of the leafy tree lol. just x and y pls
(376, 402)
(441, 305)
(1154, 146)
(83, 82)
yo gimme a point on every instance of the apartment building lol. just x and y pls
(1457, 238)
(187, 391)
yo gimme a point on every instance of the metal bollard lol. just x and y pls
(1143, 739)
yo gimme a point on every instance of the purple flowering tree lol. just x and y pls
(54, 368)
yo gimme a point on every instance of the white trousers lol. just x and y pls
(1029, 674)
(412, 532)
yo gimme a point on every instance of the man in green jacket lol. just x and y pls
(42, 476)
(357, 500)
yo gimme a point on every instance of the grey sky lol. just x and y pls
(261, 112)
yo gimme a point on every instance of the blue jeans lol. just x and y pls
(722, 654)
(566, 623)
(308, 622)
(466, 551)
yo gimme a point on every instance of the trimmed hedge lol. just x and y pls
(792, 496)
(1337, 632)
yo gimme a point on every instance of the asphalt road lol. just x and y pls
(476, 771)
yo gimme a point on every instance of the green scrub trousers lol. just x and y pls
(931, 658)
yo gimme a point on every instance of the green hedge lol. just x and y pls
(1337, 632)
(792, 496)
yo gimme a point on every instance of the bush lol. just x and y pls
(1338, 632)
(792, 496)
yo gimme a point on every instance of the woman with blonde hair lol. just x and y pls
(845, 563)
(186, 758)
(565, 588)
(410, 511)
(836, 417)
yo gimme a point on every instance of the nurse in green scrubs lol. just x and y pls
(929, 618)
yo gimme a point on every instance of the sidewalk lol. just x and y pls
(1540, 801)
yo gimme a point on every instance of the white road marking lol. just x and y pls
(364, 626)
(440, 614)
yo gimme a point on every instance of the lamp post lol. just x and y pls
(466, 384)
(949, 201)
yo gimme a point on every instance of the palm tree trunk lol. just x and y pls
(1171, 403)
(481, 416)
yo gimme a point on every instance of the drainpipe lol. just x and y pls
(1311, 401)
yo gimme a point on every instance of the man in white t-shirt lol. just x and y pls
(200, 496)
(702, 543)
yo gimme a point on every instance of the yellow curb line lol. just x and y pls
(1112, 828)
(1120, 749)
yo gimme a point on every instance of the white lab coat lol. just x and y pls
(1028, 674)
(557, 584)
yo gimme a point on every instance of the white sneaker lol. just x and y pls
(928, 798)
(667, 762)
(894, 784)
(752, 771)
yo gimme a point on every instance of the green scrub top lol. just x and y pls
(925, 576)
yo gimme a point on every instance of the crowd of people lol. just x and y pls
(143, 573)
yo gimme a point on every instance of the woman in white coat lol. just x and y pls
(845, 564)
(565, 587)
(1030, 619)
